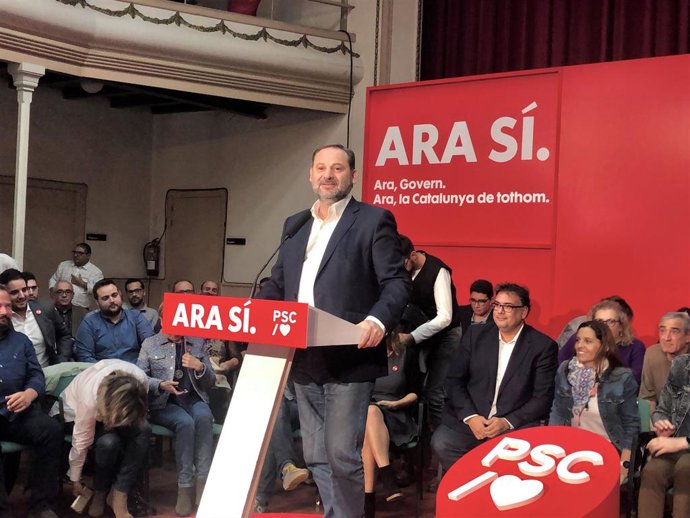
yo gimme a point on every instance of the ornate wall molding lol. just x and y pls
(209, 53)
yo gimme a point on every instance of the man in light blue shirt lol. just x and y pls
(111, 332)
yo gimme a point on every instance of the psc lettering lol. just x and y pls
(542, 463)
(284, 317)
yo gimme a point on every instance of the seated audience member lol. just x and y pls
(570, 330)
(31, 285)
(225, 359)
(571, 327)
(106, 406)
(182, 286)
(7, 262)
(595, 392)
(210, 288)
(68, 313)
(281, 457)
(136, 298)
(110, 332)
(674, 340)
(669, 465)
(489, 391)
(391, 418)
(478, 311)
(180, 376)
(81, 272)
(22, 420)
(52, 341)
(630, 350)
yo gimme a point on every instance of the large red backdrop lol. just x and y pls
(574, 181)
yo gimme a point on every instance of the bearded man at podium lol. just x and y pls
(341, 256)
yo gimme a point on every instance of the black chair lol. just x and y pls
(638, 458)
(414, 451)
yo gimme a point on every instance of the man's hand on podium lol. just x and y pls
(372, 334)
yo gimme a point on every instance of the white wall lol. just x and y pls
(88, 142)
(264, 163)
(129, 158)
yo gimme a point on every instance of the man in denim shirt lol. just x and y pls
(670, 464)
(111, 332)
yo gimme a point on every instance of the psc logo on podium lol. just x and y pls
(243, 320)
(543, 471)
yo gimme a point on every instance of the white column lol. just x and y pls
(26, 76)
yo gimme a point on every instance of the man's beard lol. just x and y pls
(111, 312)
(5, 326)
(337, 195)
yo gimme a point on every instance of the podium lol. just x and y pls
(537, 472)
(280, 328)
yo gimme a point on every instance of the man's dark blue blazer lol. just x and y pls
(361, 274)
(526, 392)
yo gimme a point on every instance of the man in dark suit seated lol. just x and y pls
(500, 379)
(71, 315)
(51, 339)
(478, 311)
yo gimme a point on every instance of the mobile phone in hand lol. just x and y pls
(82, 501)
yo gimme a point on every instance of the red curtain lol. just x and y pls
(467, 37)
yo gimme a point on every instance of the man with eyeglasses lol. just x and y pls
(501, 378)
(49, 336)
(437, 339)
(478, 311)
(69, 314)
(134, 289)
(82, 273)
(183, 286)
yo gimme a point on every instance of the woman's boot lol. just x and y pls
(185, 501)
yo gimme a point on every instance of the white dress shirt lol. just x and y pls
(89, 272)
(80, 401)
(28, 325)
(505, 351)
(320, 235)
(444, 307)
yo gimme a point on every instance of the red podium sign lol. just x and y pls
(545, 471)
(244, 320)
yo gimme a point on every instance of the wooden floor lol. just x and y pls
(164, 492)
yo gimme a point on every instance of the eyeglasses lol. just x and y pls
(508, 308)
(32, 288)
(478, 301)
(78, 252)
(136, 290)
(184, 291)
(64, 292)
(610, 322)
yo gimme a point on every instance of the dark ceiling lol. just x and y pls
(157, 100)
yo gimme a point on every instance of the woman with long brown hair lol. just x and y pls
(594, 391)
(630, 350)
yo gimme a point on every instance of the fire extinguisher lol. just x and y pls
(152, 253)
